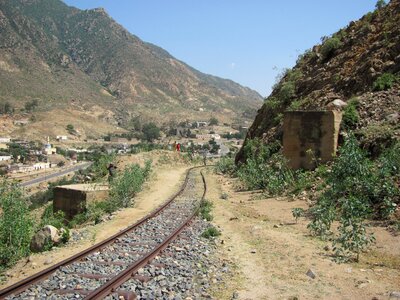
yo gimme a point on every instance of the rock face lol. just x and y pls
(64, 56)
(345, 66)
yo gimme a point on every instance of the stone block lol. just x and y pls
(73, 199)
(309, 136)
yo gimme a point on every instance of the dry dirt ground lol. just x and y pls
(268, 253)
(272, 253)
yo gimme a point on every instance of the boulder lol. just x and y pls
(48, 235)
(337, 104)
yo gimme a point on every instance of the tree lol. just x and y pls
(17, 150)
(213, 121)
(31, 105)
(70, 128)
(150, 132)
(6, 108)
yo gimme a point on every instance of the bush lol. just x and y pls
(384, 82)
(205, 210)
(71, 130)
(297, 212)
(265, 169)
(211, 232)
(15, 225)
(272, 103)
(287, 91)
(350, 115)
(329, 47)
(49, 218)
(214, 121)
(126, 185)
(226, 165)
(357, 189)
(31, 105)
(99, 167)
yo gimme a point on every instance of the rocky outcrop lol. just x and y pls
(345, 66)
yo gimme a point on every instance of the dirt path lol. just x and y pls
(273, 253)
(163, 184)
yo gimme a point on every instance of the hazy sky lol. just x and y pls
(249, 41)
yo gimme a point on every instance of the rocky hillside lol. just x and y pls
(359, 65)
(66, 57)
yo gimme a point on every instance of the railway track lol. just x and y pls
(101, 270)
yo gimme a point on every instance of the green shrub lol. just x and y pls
(272, 103)
(16, 226)
(350, 114)
(297, 212)
(287, 91)
(126, 185)
(226, 165)
(99, 167)
(384, 82)
(205, 210)
(71, 130)
(329, 47)
(211, 232)
(357, 189)
(269, 174)
(49, 218)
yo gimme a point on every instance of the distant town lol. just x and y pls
(21, 158)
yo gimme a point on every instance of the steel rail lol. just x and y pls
(111, 285)
(22, 285)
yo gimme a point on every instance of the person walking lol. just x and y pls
(111, 172)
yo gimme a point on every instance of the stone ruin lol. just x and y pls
(73, 199)
(310, 137)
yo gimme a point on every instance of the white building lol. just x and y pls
(5, 157)
(208, 136)
(61, 137)
(5, 140)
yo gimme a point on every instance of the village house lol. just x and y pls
(21, 168)
(5, 157)
(201, 124)
(4, 140)
(61, 138)
(22, 122)
(208, 136)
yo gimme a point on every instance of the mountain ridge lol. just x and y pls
(61, 55)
